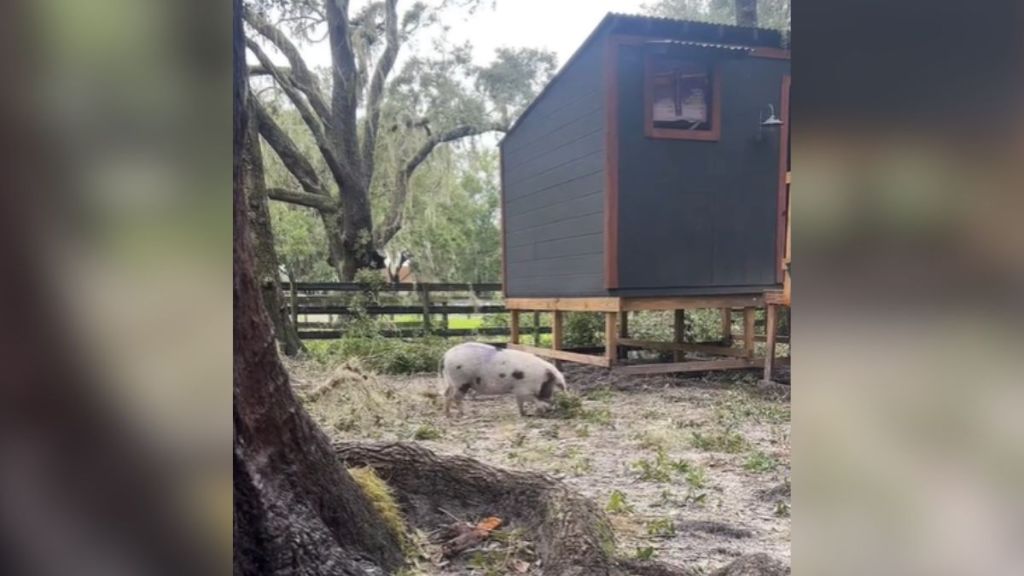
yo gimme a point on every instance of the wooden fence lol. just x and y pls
(431, 303)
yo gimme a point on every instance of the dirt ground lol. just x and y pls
(693, 472)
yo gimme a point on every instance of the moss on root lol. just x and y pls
(383, 500)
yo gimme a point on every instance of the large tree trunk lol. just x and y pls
(360, 251)
(746, 13)
(267, 266)
(297, 510)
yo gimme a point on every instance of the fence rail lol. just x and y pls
(431, 303)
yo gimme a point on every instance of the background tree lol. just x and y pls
(368, 145)
(455, 236)
(764, 13)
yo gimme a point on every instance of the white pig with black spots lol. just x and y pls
(490, 371)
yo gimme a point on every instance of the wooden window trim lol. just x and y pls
(651, 131)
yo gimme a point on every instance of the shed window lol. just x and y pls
(682, 98)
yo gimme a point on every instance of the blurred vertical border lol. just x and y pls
(116, 259)
(908, 267)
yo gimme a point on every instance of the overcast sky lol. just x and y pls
(558, 25)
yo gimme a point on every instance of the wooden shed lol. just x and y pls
(651, 173)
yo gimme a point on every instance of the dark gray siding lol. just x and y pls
(553, 173)
(698, 214)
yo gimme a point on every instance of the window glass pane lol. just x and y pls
(681, 95)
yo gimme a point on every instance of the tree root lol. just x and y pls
(571, 535)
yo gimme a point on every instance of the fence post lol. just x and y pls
(679, 333)
(536, 329)
(444, 317)
(425, 295)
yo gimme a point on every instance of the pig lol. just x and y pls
(490, 371)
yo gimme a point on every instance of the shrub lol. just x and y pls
(382, 355)
(583, 329)
(702, 325)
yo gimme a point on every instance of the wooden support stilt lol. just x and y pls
(557, 330)
(513, 326)
(623, 332)
(679, 334)
(557, 335)
(611, 337)
(748, 331)
(769, 353)
(726, 326)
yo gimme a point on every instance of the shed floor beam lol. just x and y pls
(563, 355)
(683, 347)
(692, 366)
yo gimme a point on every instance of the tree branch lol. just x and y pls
(342, 173)
(344, 89)
(376, 93)
(260, 70)
(393, 221)
(316, 201)
(447, 136)
(304, 79)
(287, 151)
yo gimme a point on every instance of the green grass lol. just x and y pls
(427, 432)
(661, 528)
(697, 477)
(726, 441)
(568, 406)
(760, 462)
(781, 509)
(645, 553)
(661, 468)
(617, 504)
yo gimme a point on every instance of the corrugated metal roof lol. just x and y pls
(658, 27)
(703, 45)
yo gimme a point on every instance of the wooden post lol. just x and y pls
(425, 297)
(679, 328)
(557, 330)
(444, 317)
(623, 331)
(726, 326)
(611, 337)
(769, 340)
(536, 329)
(748, 331)
(513, 326)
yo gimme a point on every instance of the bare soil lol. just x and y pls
(692, 472)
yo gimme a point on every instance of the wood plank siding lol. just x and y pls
(699, 217)
(553, 164)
